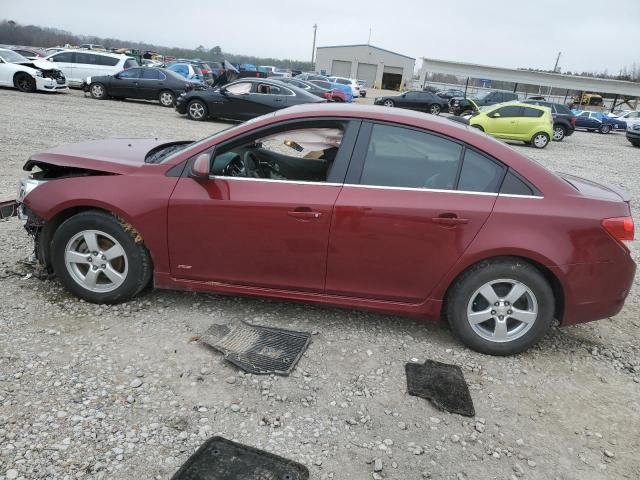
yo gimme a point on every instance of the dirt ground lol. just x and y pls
(120, 392)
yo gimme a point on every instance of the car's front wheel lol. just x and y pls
(24, 82)
(501, 306)
(605, 128)
(389, 103)
(98, 91)
(559, 133)
(197, 110)
(98, 260)
(540, 140)
(435, 109)
(167, 98)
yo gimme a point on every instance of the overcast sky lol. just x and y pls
(592, 35)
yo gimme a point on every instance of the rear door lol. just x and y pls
(151, 83)
(406, 214)
(504, 121)
(528, 123)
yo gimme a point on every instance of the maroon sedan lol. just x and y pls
(387, 210)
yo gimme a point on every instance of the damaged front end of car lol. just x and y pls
(48, 77)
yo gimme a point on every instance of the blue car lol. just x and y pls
(188, 71)
(324, 82)
(599, 121)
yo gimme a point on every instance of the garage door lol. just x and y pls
(396, 70)
(340, 68)
(367, 72)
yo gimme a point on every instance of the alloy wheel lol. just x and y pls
(97, 91)
(434, 110)
(166, 99)
(24, 83)
(96, 261)
(540, 140)
(196, 110)
(388, 103)
(558, 133)
(502, 310)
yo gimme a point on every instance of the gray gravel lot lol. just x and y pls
(120, 392)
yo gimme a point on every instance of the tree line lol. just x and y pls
(13, 33)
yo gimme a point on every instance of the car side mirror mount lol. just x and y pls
(201, 167)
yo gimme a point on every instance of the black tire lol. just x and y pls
(24, 82)
(138, 270)
(435, 109)
(98, 91)
(559, 132)
(604, 129)
(167, 98)
(479, 127)
(539, 140)
(193, 109)
(460, 296)
(635, 144)
(389, 103)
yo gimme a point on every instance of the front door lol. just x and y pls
(263, 217)
(504, 121)
(405, 215)
(126, 83)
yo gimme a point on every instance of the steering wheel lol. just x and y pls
(236, 168)
(255, 165)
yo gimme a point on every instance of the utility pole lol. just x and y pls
(555, 68)
(313, 51)
(369, 41)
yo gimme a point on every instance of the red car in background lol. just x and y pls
(361, 207)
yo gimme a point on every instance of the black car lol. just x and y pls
(450, 93)
(431, 88)
(421, 101)
(467, 105)
(312, 88)
(243, 99)
(146, 83)
(564, 121)
(633, 134)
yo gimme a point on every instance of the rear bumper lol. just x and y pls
(593, 291)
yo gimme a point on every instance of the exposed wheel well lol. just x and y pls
(15, 76)
(44, 235)
(556, 286)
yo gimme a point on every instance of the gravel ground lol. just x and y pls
(120, 392)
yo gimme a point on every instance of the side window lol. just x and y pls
(302, 154)
(510, 96)
(152, 74)
(479, 173)
(532, 112)
(131, 73)
(514, 185)
(401, 157)
(180, 69)
(583, 115)
(83, 58)
(108, 61)
(64, 57)
(509, 111)
(562, 109)
(239, 88)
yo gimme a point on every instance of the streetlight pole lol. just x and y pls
(313, 50)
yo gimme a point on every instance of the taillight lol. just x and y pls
(573, 121)
(620, 228)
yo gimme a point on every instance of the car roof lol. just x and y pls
(94, 52)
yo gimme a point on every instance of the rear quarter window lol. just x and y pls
(479, 173)
(514, 185)
(107, 61)
(562, 109)
(130, 63)
(532, 112)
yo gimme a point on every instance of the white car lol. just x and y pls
(355, 88)
(77, 65)
(29, 75)
(631, 117)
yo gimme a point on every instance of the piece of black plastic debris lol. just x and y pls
(222, 459)
(442, 384)
(256, 349)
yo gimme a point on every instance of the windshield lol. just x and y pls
(12, 57)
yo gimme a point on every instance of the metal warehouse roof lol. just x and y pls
(571, 82)
(370, 46)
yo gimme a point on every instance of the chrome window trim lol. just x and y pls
(335, 184)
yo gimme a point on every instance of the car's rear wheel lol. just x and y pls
(167, 98)
(559, 133)
(389, 103)
(435, 109)
(24, 82)
(197, 110)
(98, 91)
(604, 129)
(540, 140)
(501, 306)
(98, 260)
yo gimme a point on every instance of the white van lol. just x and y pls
(77, 65)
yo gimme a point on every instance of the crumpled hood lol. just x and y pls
(42, 64)
(116, 155)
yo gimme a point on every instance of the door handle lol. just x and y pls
(304, 213)
(277, 99)
(449, 219)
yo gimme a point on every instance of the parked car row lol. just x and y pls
(29, 75)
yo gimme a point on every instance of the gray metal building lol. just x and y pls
(378, 67)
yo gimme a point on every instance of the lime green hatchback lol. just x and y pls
(532, 124)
